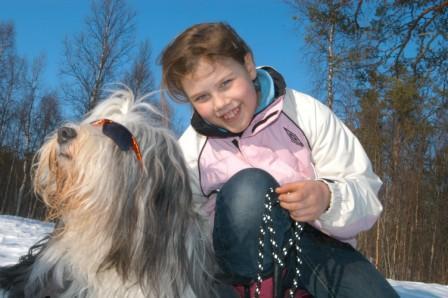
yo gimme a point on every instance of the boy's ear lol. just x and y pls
(250, 66)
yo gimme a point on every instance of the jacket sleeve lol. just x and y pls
(341, 162)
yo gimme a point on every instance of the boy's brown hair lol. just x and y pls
(206, 40)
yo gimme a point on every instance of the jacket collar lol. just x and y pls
(260, 118)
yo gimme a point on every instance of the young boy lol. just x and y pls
(248, 134)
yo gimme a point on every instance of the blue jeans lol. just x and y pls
(330, 268)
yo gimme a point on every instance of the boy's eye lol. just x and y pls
(201, 97)
(226, 83)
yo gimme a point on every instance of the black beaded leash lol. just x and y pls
(279, 258)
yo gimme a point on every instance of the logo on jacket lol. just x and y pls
(293, 137)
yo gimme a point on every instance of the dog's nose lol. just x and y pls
(65, 134)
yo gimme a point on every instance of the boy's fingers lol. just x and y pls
(302, 215)
(295, 205)
(290, 187)
(285, 188)
(289, 206)
(285, 197)
(291, 197)
(281, 191)
(288, 198)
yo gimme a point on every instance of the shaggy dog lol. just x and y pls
(128, 225)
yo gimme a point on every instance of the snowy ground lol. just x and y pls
(17, 234)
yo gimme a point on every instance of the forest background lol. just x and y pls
(380, 65)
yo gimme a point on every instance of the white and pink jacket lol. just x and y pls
(295, 138)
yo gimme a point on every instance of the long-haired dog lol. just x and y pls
(128, 225)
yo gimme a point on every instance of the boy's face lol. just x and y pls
(222, 92)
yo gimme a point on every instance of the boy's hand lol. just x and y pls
(305, 200)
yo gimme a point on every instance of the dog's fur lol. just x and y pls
(124, 230)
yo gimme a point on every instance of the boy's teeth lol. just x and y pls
(231, 114)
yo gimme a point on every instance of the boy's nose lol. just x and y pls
(220, 103)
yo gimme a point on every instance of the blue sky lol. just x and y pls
(266, 25)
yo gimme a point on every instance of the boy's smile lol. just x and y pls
(222, 92)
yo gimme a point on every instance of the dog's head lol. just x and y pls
(119, 152)
(120, 174)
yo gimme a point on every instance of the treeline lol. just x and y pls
(385, 64)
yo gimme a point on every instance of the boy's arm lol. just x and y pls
(341, 162)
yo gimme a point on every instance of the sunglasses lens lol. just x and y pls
(119, 134)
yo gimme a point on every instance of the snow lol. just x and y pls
(17, 234)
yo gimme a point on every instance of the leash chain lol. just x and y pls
(266, 226)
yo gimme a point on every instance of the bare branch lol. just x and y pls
(413, 24)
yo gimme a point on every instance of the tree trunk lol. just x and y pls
(330, 70)
(21, 192)
(6, 196)
(377, 243)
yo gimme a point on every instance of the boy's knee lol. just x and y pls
(242, 197)
(250, 182)
(240, 206)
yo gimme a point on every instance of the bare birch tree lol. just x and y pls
(11, 70)
(48, 116)
(32, 87)
(328, 25)
(141, 81)
(94, 56)
(139, 77)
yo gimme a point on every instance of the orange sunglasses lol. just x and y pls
(120, 135)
